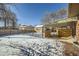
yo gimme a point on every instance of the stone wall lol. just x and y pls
(77, 30)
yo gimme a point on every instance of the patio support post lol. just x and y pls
(43, 30)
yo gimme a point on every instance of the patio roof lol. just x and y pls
(66, 20)
(62, 22)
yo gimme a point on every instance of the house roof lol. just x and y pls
(39, 26)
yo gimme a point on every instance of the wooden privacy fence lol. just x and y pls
(8, 31)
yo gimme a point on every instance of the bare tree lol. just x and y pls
(53, 16)
(7, 16)
(11, 18)
(62, 13)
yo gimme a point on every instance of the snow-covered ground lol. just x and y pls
(25, 45)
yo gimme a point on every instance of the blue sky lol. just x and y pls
(31, 13)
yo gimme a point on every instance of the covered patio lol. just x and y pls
(62, 28)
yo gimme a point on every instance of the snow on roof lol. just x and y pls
(39, 26)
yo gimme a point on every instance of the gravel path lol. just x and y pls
(24, 45)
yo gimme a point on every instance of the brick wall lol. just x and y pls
(73, 9)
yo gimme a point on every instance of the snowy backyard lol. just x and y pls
(26, 45)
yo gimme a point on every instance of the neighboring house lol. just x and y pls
(30, 28)
(38, 28)
(22, 27)
(26, 28)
